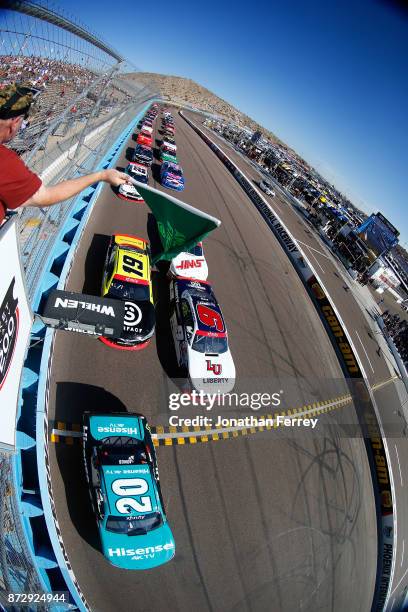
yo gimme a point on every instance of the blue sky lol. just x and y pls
(329, 78)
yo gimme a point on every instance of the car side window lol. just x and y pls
(187, 315)
(111, 265)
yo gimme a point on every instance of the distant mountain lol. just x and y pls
(186, 91)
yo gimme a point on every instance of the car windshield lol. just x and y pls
(209, 344)
(121, 450)
(133, 525)
(175, 171)
(132, 291)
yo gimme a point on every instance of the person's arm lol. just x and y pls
(49, 195)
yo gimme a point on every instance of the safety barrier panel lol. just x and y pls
(32, 477)
(350, 363)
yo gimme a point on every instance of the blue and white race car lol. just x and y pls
(171, 175)
(200, 336)
(123, 478)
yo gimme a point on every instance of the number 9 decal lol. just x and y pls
(210, 317)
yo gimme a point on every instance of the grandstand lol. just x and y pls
(85, 100)
(84, 103)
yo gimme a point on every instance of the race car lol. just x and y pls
(129, 192)
(126, 276)
(169, 136)
(190, 264)
(123, 478)
(171, 176)
(144, 138)
(143, 155)
(267, 188)
(137, 171)
(200, 336)
(168, 153)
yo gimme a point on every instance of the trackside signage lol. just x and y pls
(348, 359)
(15, 325)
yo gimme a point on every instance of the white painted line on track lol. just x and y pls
(368, 359)
(316, 260)
(399, 582)
(403, 550)
(313, 249)
(392, 605)
(399, 465)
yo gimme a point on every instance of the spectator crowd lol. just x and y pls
(40, 72)
(59, 83)
(397, 330)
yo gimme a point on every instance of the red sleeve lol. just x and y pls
(17, 182)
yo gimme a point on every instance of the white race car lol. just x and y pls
(267, 188)
(190, 264)
(200, 336)
(129, 192)
(147, 128)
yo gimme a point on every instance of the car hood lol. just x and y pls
(139, 321)
(174, 177)
(138, 551)
(129, 189)
(203, 371)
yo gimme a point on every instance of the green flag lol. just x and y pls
(180, 225)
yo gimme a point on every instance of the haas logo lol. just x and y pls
(216, 368)
(186, 264)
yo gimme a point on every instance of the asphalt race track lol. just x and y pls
(264, 523)
(378, 370)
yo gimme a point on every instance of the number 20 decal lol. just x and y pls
(132, 265)
(132, 486)
(210, 317)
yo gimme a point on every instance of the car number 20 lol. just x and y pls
(132, 486)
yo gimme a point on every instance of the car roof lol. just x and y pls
(123, 271)
(138, 166)
(110, 474)
(201, 293)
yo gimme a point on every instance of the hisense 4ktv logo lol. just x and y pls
(9, 323)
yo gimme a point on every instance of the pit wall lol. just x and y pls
(350, 363)
(32, 477)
